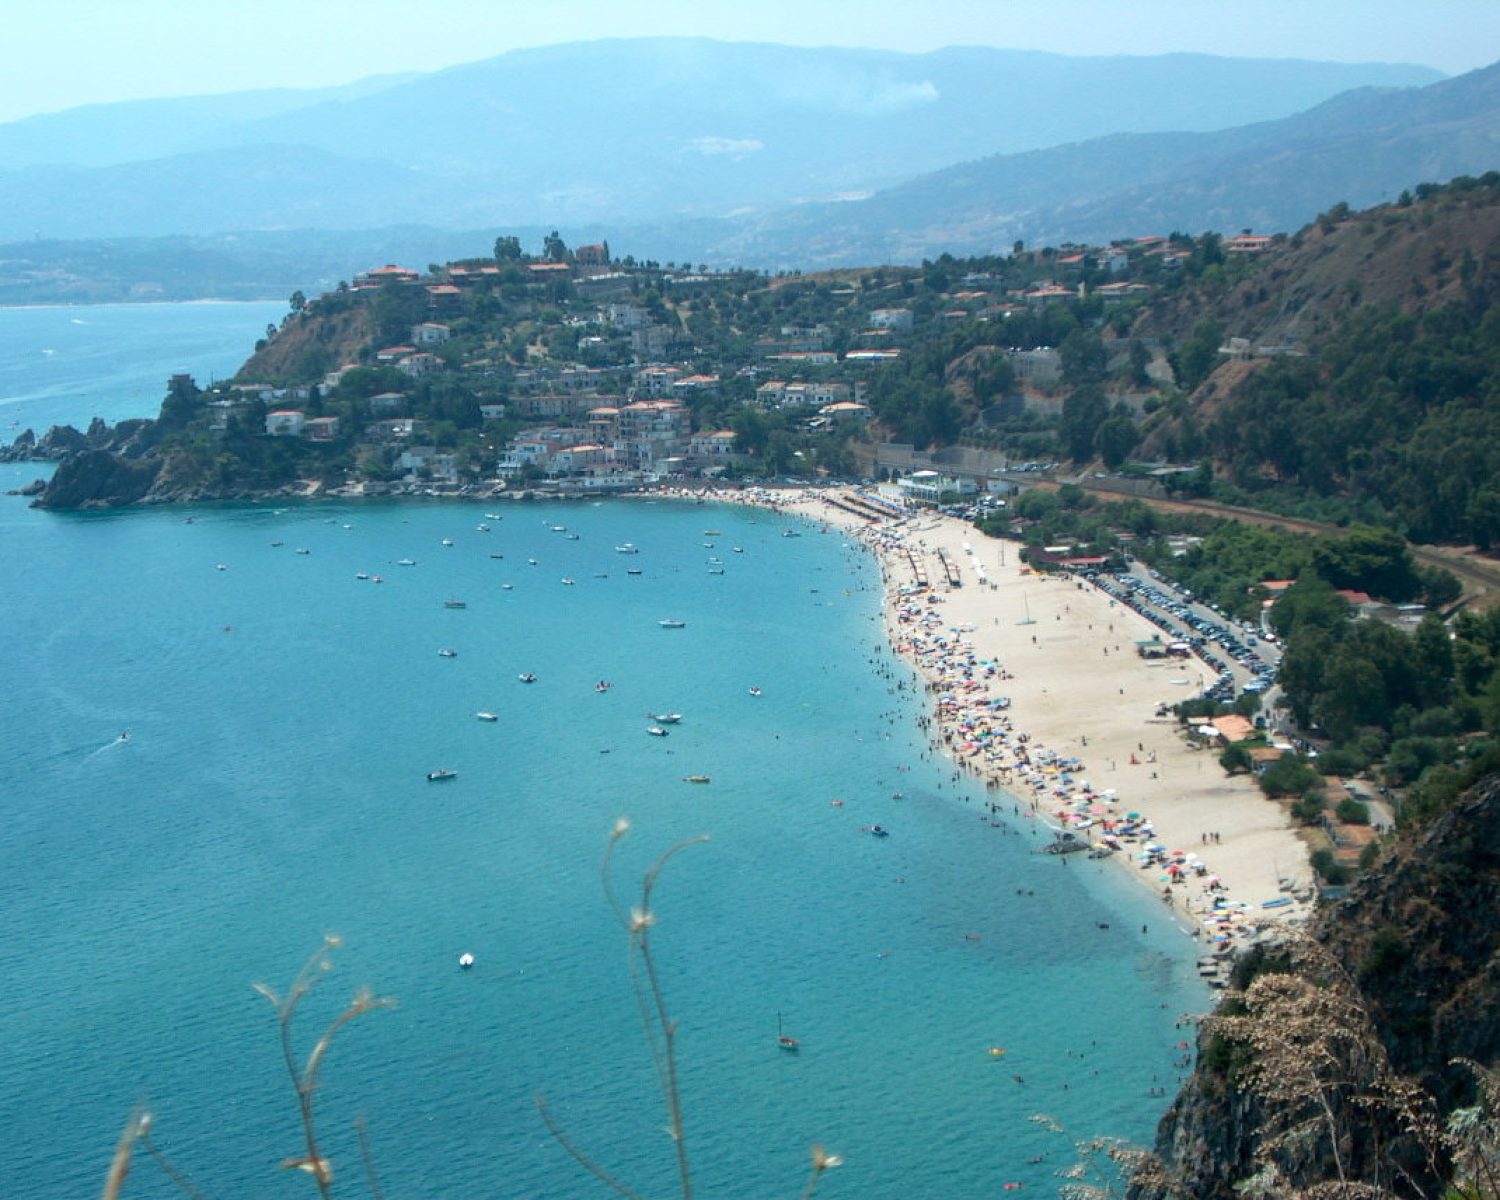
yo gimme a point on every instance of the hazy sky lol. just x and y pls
(62, 53)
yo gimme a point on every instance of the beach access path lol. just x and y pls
(1063, 655)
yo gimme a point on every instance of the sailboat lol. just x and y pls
(785, 1040)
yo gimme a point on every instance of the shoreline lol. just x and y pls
(1033, 689)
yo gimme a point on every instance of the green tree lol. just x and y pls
(507, 249)
(1116, 438)
(1198, 354)
(1083, 412)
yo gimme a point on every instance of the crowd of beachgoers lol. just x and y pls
(1050, 709)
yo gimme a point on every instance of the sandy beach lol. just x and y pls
(1037, 690)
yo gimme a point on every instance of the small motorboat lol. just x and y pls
(465, 961)
(494, 517)
(447, 652)
(656, 731)
(603, 685)
(441, 775)
(569, 581)
(716, 570)
(278, 543)
(447, 541)
(627, 548)
(668, 718)
(790, 533)
(755, 691)
(487, 716)
(570, 537)
(303, 550)
(527, 677)
(221, 566)
(455, 604)
(362, 575)
(406, 562)
(482, 527)
(632, 570)
(505, 587)
(695, 779)
(879, 831)
(493, 555)
(672, 623)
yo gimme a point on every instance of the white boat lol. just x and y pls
(362, 575)
(482, 527)
(716, 570)
(447, 541)
(465, 961)
(455, 604)
(494, 517)
(527, 677)
(632, 570)
(406, 562)
(669, 623)
(441, 775)
(627, 548)
(303, 550)
(487, 716)
(656, 731)
(568, 580)
(666, 718)
(448, 652)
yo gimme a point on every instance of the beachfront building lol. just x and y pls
(928, 488)
(651, 430)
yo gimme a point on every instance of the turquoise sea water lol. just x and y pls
(282, 717)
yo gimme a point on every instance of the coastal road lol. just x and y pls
(1479, 574)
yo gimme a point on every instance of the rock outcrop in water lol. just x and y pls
(1345, 1058)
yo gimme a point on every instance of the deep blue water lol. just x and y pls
(282, 717)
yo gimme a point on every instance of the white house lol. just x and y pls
(898, 319)
(285, 422)
(430, 333)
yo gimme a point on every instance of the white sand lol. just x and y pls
(1063, 654)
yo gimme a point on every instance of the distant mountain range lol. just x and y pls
(1363, 147)
(610, 131)
(695, 150)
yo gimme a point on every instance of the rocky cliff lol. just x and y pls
(1343, 1057)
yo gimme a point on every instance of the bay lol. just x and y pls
(283, 715)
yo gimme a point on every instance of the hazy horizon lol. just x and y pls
(68, 55)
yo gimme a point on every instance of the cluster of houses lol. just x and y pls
(608, 426)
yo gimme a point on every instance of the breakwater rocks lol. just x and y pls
(1338, 1056)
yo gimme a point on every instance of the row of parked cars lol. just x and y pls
(1214, 640)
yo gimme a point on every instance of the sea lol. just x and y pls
(219, 724)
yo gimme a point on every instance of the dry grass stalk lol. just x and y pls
(637, 920)
(304, 1076)
(1320, 1068)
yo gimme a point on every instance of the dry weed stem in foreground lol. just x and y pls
(637, 920)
